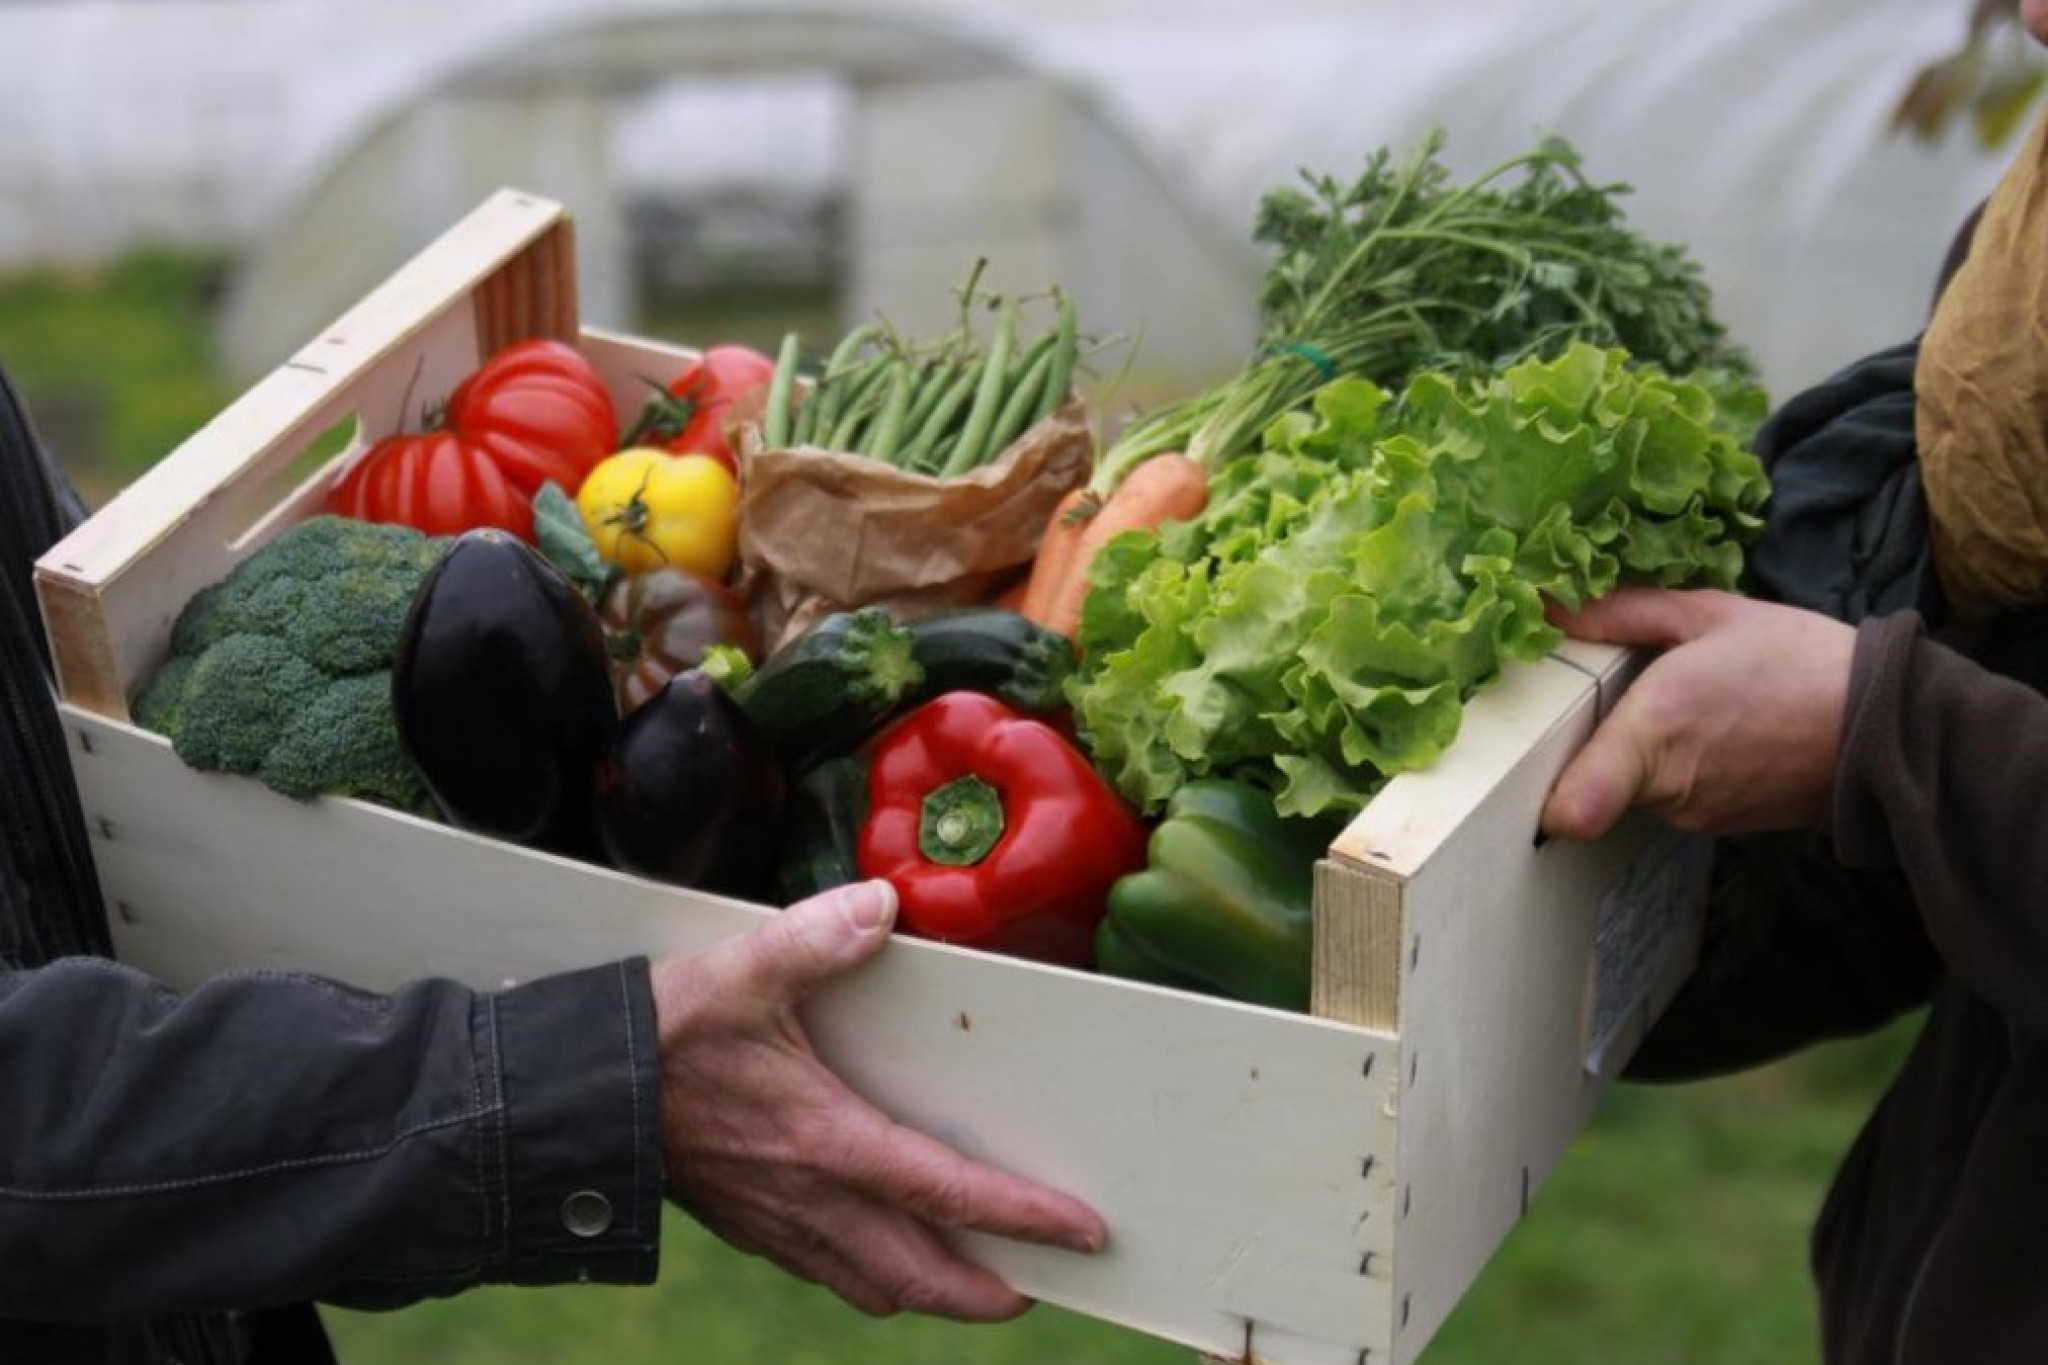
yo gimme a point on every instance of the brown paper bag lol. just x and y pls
(822, 531)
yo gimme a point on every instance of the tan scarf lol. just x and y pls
(1981, 391)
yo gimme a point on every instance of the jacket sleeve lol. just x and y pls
(1944, 776)
(1798, 950)
(271, 1138)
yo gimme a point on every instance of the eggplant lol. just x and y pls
(690, 793)
(503, 694)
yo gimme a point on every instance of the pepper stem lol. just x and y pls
(961, 822)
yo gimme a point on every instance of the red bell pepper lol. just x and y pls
(995, 831)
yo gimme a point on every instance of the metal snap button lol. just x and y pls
(586, 1213)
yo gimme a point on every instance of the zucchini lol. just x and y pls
(819, 847)
(987, 649)
(831, 687)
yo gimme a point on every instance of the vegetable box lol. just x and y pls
(1304, 1190)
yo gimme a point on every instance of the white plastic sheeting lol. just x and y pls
(1754, 130)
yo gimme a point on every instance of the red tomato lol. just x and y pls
(533, 413)
(696, 415)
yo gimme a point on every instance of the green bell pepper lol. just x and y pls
(1225, 904)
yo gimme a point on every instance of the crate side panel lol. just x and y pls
(1242, 1157)
(1244, 1167)
(1498, 970)
(533, 294)
(1357, 947)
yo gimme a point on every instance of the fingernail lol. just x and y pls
(1090, 1242)
(871, 905)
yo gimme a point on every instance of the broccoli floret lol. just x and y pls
(161, 706)
(283, 668)
(347, 622)
(239, 696)
(346, 744)
(199, 624)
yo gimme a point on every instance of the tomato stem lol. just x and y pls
(663, 418)
(633, 516)
(405, 399)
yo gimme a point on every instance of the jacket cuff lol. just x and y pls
(575, 1154)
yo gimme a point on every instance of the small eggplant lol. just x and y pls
(504, 695)
(689, 793)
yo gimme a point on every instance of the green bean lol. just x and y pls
(888, 433)
(831, 391)
(934, 377)
(1020, 365)
(922, 452)
(1017, 412)
(1065, 348)
(806, 420)
(988, 395)
(862, 396)
(775, 431)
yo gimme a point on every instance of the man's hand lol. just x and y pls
(1737, 728)
(771, 1152)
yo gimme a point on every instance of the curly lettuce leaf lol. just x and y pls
(1350, 586)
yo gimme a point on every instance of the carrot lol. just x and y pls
(1168, 487)
(1070, 517)
(1012, 597)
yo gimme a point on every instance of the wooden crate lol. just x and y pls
(1280, 1187)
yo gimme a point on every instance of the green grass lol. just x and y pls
(1674, 1231)
(116, 364)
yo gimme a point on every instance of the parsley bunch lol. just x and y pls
(1403, 270)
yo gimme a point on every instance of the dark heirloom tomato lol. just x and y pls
(662, 621)
(533, 413)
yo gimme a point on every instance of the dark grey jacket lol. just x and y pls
(181, 1174)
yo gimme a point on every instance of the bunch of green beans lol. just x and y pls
(942, 409)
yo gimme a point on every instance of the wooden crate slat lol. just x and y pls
(533, 294)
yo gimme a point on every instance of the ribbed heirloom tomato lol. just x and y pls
(535, 412)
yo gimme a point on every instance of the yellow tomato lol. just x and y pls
(646, 508)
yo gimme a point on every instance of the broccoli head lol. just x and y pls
(283, 668)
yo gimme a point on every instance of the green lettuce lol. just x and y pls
(1320, 627)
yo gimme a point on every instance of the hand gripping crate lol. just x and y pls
(1279, 1187)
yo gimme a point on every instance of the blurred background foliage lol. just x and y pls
(1989, 81)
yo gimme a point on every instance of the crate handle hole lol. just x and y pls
(322, 448)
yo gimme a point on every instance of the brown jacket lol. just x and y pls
(1933, 1245)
